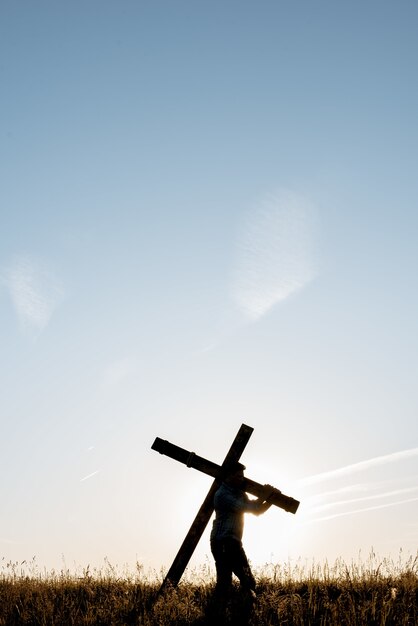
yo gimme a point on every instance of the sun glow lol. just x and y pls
(275, 536)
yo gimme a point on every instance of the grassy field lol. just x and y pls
(375, 593)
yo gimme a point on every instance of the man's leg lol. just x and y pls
(241, 567)
(224, 567)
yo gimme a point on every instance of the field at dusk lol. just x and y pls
(374, 593)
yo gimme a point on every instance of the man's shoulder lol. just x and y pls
(224, 487)
(229, 492)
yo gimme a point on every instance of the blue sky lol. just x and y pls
(208, 217)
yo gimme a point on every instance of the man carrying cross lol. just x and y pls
(230, 503)
(227, 515)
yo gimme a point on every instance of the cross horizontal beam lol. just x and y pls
(217, 471)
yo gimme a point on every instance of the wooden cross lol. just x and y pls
(218, 472)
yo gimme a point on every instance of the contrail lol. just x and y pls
(89, 476)
(370, 508)
(359, 467)
(9, 542)
(378, 496)
(362, 487)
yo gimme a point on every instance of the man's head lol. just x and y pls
(234, 474)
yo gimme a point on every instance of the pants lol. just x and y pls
(230, 558)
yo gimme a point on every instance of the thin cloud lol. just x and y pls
(360, 467)
(275, 253)
(118, 371)
(34, 290)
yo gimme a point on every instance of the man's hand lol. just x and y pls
(263, 503)
(268, 492)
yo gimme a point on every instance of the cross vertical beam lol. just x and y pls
(202, 518)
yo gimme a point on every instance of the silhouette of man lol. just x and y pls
(231, 502)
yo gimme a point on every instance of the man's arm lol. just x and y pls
(261, 505)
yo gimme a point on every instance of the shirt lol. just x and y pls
(230, 505)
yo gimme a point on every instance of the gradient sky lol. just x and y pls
(209, 216)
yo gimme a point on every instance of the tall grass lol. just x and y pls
(374, 592)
